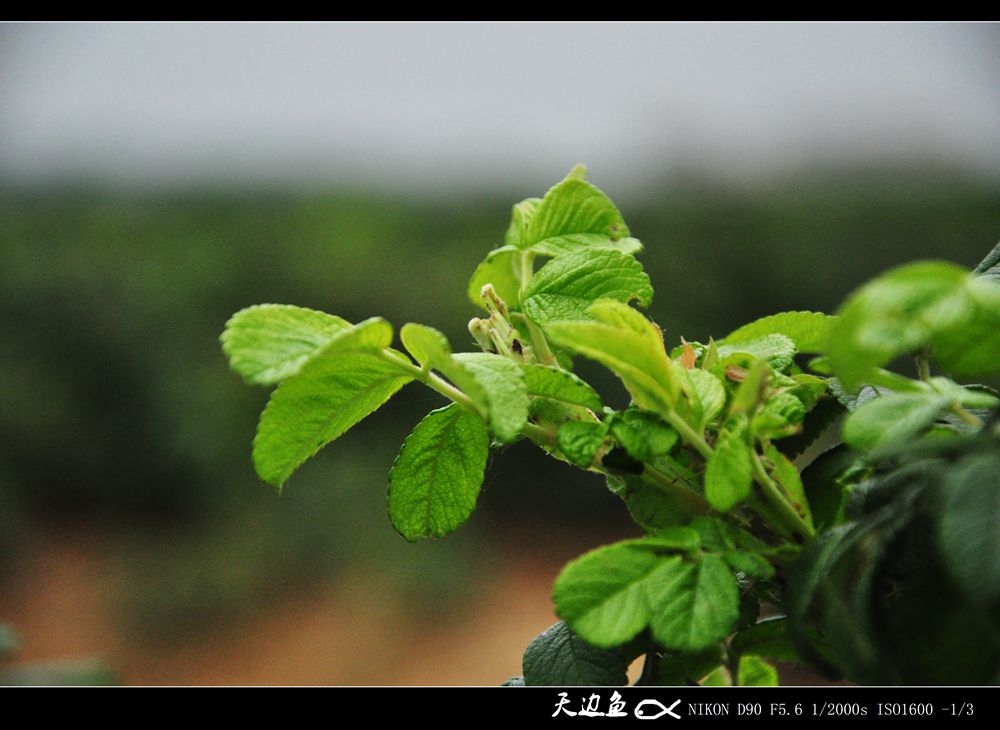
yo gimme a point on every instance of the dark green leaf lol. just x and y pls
(768, 638)
(969, 530)
(558, 657)
(685, 669)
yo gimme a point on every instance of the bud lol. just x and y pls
(479, 329)
(494, 304)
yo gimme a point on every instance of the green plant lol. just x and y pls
(828, 511)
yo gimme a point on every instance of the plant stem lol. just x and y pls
(923, 365)
(789, 518)
(431, 380)
(542, 350)
(967, 417)
(690, 436)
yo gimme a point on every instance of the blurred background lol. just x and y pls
(156, 178)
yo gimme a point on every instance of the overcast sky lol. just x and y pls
(472, 104)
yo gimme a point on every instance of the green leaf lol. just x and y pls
(580, 440)
(497, 384)
(752, 389)
(338, 387)
(643, 434)
(630, 346)
(434, 482)
(777, 349)
(968, 532)
(565, 287)
(780, 416)
(685, 669)
(270, 342)
(545, 381)
(989, 267)
(499, 268)
(601, 594)
(972, 348)
(892, 418)
(900, 311)
(751, 564)
(519, 217)
(710, 394)
(558, 657)
(807, 330)
(428, 346)
(755, 672)
(728, 475)
(694, 603)
(790, 480)
(573, 206)
(655, 508)
(561, 245)
(768, 638)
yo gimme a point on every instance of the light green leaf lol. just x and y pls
(558, 657)
(791, 481)
(752, 389)
(972, 348)
(519, 217)
(331, 393)
(428, 346)
(565, 287)
(693, 603)
(710, 394)
(573, 206)
(630, 346)
(892, 418)
(728, 475)
(434, 482)
(270, 342)
(780, 416)
(498, 383)
(755, 672)
(898, 312)
(580, 440)
(560, 245)
(684, 669)
(643, 434)
(499, 268)
(777, 349)
(601, 594)
(545, 381)
(807, 330)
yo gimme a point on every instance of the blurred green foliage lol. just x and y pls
(117, 408)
